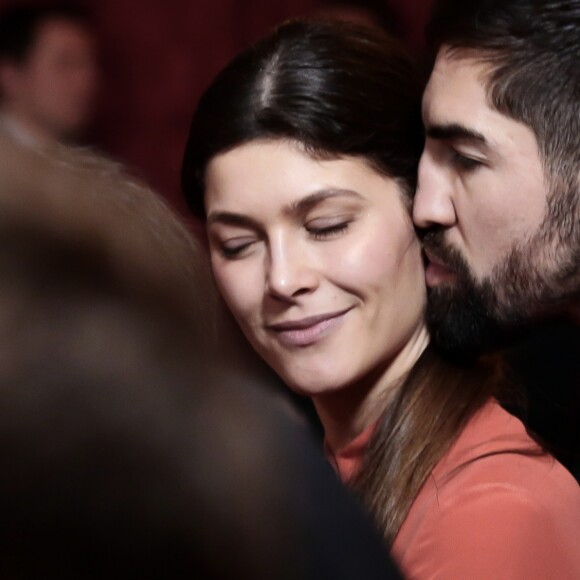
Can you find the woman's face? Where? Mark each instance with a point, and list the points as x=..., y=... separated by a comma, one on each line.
x=317, y=260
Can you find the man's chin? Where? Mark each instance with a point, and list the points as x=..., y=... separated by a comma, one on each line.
x=463, y=325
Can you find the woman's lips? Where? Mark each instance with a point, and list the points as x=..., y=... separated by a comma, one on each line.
x=307, y=331
x=437, y=273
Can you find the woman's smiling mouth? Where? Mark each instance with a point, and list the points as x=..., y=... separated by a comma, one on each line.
x=307, y=331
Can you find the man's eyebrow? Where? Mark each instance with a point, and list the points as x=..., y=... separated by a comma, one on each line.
x=301, y=206
x=454, y=131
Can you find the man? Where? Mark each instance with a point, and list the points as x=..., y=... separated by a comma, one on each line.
x=498, y=199
x=498, y=195
x=48, y=73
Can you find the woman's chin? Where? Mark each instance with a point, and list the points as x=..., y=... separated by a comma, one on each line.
x=310, y=384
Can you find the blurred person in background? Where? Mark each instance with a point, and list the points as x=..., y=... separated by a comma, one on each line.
x=133, y=444
x=48, y=73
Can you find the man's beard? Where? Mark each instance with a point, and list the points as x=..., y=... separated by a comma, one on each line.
x=462, y=316
x=536, y=279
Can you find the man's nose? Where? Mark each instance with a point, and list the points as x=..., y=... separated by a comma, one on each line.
x=433, y=204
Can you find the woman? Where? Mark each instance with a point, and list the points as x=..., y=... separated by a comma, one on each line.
x=302, y=160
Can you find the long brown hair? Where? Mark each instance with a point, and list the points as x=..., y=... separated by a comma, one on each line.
x=428, y=412
x=345, y=91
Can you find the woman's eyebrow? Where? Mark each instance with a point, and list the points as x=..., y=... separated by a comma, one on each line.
x=231, y=218
x=306, y=203
x=300, y=206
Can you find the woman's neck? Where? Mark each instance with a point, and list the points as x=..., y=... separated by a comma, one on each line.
x=349, y=411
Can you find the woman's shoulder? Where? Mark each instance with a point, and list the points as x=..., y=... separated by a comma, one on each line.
x=494, y=449
x=495, y=502
x=494, y=460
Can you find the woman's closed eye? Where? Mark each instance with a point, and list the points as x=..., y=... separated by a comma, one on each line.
x=235, y=247
x=327, y=228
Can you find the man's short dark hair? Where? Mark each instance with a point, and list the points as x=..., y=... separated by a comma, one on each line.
x=19, y=25
x=533, y=49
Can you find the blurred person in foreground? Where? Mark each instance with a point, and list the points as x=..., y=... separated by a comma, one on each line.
x=133, y=442
x=48, y=72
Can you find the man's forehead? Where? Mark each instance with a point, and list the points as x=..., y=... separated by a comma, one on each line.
x=457, y=107
x=457, y=89
x=465, y=61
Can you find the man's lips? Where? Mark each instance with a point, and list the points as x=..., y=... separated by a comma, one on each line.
x=436, y=272
x=309, y=330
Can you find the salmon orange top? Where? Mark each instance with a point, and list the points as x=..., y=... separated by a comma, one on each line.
x=494, y=507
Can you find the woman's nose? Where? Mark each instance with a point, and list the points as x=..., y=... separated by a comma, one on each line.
x=290, y=270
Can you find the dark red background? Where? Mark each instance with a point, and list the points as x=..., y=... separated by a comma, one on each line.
x=159, y=55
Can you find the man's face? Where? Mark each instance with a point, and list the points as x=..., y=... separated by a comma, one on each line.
x=496, y=255
x=54, y=88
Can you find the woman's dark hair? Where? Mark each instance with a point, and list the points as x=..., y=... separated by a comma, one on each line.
x=337, y=89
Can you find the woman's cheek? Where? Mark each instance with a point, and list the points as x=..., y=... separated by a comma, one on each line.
x=236, y=288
